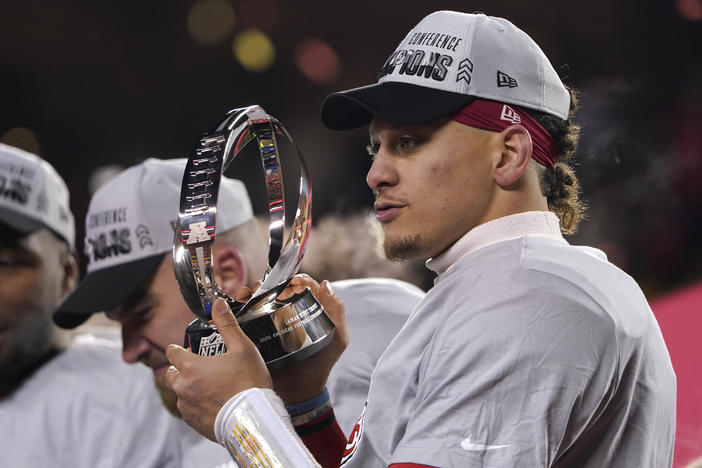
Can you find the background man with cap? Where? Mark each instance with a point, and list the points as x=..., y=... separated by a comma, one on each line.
x=527, y=351
x=66, y=406
x=129, y=239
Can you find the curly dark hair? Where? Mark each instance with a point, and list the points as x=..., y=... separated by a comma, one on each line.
x=560, y=185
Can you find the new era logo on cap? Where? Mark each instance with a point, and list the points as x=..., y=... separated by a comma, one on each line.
x=504, y=80
x=509, y=115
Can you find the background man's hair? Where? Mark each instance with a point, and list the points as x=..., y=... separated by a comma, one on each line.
x=560, y=185
x=350, y=245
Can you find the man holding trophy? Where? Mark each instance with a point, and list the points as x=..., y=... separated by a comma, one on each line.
x=527, y=352
x=130, y=227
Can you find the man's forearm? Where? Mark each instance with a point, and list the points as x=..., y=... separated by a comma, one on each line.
x=256, y=430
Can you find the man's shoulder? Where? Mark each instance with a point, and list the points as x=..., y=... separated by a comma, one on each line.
x=533, y=280
x=370, y=295
x=584, y=275
x=535, y=266
x=377, y=285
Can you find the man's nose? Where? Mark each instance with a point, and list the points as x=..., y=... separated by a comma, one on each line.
x=382, y=172
x=134, y=346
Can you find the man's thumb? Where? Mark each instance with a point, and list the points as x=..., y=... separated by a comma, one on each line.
x=226, y=323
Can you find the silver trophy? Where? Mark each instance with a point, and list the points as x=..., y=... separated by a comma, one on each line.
x=284, y=331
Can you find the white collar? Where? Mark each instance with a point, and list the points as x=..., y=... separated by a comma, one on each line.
x=531, y=223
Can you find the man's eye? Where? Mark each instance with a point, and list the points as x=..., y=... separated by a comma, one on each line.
x=143, y=314
x=407, y=141
x=8, y=260
x=372, y=150
x=138, y=314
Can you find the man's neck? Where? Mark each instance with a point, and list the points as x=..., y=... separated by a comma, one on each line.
x=533, y=223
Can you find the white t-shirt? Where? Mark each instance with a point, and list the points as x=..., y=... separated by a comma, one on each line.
x=200, y=452
x=87, y=408
x=527, y=352
x=376, y=309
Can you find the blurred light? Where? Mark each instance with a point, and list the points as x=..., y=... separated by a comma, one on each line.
x=210, y=22
x=317, y=60
x=690, y=9
x=21, y=137
x=101, y=175
x=261, y=14
x=254, y=50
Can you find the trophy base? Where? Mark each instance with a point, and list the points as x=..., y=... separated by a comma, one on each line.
x=287, y=331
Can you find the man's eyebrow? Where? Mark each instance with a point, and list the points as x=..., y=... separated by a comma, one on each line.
x=399, y=127
x=137, y=298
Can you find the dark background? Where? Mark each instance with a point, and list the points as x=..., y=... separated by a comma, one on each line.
x=92, y=84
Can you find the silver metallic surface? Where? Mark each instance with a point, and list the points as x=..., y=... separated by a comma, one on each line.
x=196, y=232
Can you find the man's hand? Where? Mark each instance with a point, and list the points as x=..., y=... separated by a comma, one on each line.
x=306, y=379
x=204, y=383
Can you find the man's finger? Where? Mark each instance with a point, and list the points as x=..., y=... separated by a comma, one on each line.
x=298, y=284
x=226, y=323
x=178, y=355
x=331, y=302
x=305, y=280
x=171, y=375
x=335, y=310
x=243, y=294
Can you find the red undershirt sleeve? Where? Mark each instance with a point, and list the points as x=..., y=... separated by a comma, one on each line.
x=324, y=439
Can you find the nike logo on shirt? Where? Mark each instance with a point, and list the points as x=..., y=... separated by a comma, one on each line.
x=471, y=446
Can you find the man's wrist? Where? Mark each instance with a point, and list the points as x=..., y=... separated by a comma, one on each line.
x=299, y=395
x=308, y=405
x=309, y=410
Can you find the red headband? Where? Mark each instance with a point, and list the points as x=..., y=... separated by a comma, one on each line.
x=496, y=116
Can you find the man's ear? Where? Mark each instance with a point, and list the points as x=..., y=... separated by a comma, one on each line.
x=69, y=266
x=516, y=154
x=229, y=269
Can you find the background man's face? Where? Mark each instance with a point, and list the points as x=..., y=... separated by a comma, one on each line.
x=151, y=319
x=32, y=283
x=432, y=181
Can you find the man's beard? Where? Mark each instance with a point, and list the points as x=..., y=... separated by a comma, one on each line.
x=31, y=346
x=409, y=246
x=168, y=397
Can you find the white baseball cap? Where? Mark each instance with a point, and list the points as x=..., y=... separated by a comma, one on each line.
x=129, y=227
x=443, y=64
x=33, y=195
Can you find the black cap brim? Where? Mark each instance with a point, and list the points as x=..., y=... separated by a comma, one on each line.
x=402, y=103
x=104, y=289
x=19, y=222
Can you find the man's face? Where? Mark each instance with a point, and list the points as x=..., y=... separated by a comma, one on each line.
x=32, y=284
x=151, y=319
x=433, y=183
